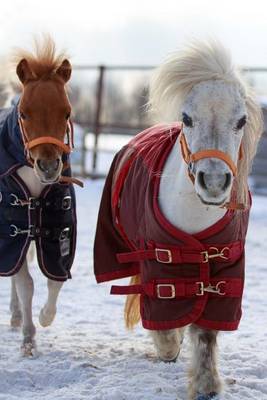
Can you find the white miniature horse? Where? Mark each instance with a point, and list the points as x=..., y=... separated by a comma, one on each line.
x=43, y=109
x=199, y=86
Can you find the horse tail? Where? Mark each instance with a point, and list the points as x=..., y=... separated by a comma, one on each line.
x=132, y=306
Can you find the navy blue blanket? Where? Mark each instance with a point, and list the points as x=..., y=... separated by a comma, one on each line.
x=49, y=220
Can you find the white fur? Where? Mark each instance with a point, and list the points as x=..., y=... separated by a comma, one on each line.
x=181, y=206
x=22, y=285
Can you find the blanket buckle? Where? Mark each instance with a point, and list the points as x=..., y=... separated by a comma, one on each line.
x=221, y=254
x=18, y=231
x=167, y=252
x=166, y=286
x=216, y=289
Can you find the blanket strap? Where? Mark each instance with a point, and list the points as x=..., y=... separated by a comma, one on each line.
x=172, y=289
x=168, y=255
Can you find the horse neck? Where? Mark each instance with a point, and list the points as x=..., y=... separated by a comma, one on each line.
x=31, y=181
x=178, y=199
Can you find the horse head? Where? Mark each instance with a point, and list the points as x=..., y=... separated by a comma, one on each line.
x=214, y=115
x=221, y=121
x=44, y=109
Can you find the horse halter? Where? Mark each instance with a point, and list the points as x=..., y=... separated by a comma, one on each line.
x=66, y=147
x=190, y=158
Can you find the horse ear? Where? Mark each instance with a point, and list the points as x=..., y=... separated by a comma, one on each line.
x=64, y=71
x=23, y=71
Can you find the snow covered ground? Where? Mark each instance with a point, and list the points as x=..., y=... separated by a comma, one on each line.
x=87, y=353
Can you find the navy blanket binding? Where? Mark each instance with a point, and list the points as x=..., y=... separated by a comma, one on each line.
x=49, y=220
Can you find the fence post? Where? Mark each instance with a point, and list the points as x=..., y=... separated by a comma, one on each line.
x=97, y=122
x=83, y=155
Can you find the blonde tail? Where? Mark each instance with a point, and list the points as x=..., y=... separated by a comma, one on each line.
x=132, y=306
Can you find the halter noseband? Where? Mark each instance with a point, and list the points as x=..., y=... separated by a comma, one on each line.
x=209, y=153
x=66, y=147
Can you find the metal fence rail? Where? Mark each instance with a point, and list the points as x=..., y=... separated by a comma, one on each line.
x=97, y=126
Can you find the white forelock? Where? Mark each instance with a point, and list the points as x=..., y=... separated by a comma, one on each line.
x=197, y=62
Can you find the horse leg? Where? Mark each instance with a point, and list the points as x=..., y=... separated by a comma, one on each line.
x=205, y=382
x=16, y=315
x=24, y=289
x=48, y=312
x=168, y=343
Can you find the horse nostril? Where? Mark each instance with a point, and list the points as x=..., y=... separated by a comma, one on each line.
x=56, y=164
x=41, y=165
x=214, y=182
x=201, y=179
x=48, y=166
x=228, y=179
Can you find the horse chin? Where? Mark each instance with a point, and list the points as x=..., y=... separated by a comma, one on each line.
x=212, y=202
x=47, y=180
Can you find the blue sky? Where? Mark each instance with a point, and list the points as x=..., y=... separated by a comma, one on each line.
x=137, y=32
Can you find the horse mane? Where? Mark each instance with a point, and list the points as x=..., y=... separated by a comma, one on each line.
x=44, y=60
x=203, y=61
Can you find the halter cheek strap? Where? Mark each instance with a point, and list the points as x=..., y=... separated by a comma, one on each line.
x=210, y=153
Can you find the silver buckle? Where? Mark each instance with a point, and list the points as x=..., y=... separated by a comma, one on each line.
x=16, y=201
x=66, y=203
x=169, y=285
x=19, y=231
x=33, y=202
x=64, y=233
x=221, y=254
x=166, y=251
x=210, y=288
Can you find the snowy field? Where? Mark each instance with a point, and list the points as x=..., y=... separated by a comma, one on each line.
x=87, y=353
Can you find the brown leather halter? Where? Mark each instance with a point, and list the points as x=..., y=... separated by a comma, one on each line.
x=66, y=147
x=210, y=153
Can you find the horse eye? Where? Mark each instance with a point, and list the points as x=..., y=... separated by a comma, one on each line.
x=187, y=120
x=241, y=123
x=22, y=115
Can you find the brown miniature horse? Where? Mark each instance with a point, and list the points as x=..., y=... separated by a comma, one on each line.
x=44, y=111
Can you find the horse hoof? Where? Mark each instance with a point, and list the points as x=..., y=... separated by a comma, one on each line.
x=28, y=350
x=171, y=360
x=46, y=318
x=210, y=396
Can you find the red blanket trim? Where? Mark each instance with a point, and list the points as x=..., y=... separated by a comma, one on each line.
x=212, y=325
x=218, y=325
x=188, y=319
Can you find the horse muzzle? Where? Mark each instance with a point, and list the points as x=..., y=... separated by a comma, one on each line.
x=48, y=171
x=211, y=171
x=213, y=188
